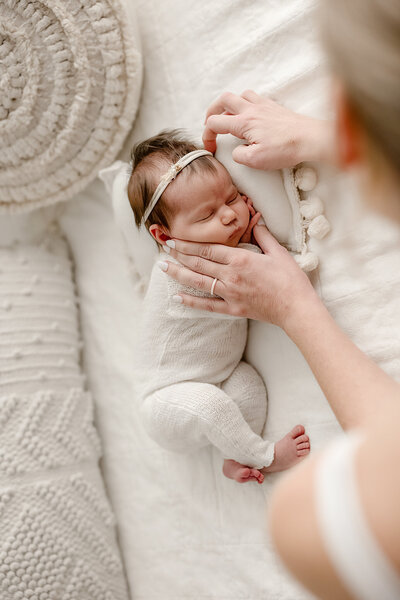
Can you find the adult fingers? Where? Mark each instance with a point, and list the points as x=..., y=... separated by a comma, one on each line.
x=200, y=265
x=244, y=153
x=219, y=124
x=214, y=252
x=210, y=304
x=251, y=96
x=226, y=102
x=265, y=240
x=191, y=279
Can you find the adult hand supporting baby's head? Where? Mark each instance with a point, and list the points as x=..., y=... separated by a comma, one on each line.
x=266, y=287
x=275, y=136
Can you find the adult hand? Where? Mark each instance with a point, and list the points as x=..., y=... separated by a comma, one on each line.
x=267, y=287
x=275, y=136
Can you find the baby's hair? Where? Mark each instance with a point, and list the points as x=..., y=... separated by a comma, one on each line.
x=150, y=159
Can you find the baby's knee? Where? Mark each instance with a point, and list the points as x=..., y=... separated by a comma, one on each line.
x=245, y=381
x=170, y=426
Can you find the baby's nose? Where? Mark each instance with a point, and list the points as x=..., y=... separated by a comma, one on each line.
x=228, y=216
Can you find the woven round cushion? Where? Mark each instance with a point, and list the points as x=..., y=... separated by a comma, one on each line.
x=70, y=79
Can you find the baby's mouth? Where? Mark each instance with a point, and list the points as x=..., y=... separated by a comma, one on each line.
x=239, y=229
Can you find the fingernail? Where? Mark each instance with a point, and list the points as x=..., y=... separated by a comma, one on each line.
x=170, y=243
x=177, y=299
x=163, y=265
x=166, y=249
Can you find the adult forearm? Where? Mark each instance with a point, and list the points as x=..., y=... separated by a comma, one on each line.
x=356, y=388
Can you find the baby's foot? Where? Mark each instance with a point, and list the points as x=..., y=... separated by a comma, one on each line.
x=241, y=473
x=290, y=450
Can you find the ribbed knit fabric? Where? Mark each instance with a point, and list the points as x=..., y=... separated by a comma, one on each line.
x=70, y=81
x=57, y=530
x=193, y=388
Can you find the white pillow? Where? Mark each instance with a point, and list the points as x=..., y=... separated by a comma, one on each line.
x=53, y=505
x=280, y=196
x=141, y=246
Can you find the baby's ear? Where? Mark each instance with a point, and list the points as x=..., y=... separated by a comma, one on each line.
x=158, y=233
x=155, y=231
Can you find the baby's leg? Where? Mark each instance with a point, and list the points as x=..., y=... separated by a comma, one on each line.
x=189, y=415
x=247, y=390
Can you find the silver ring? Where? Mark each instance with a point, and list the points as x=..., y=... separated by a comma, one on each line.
x=213, y=286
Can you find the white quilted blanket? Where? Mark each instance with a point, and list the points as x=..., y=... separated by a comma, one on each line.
x=187, y=532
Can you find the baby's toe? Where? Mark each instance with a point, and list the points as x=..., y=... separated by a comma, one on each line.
x=245, y=473
x=303, y=445
x=302, y=438
x=303, y=452
x=296, y=431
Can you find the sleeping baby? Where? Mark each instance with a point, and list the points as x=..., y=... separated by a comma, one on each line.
x=194, y=387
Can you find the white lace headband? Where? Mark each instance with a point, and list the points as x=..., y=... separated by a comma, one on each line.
x=170, y=175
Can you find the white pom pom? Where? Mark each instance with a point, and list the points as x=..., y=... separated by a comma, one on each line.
x=305, y=179
x=311, y=208
x=307, y=262
x=318, y=227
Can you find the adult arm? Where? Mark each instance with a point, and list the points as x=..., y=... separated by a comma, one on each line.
x=292, y=511
x=275, y=136
x=271, y=287
x=355, y=387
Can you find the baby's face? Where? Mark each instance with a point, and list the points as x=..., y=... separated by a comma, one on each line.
x=208, y=208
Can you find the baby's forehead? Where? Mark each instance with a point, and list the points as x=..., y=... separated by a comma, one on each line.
x=202, y=181
x=192, y=189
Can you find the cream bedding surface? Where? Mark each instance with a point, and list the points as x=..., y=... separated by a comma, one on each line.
x=184, y=529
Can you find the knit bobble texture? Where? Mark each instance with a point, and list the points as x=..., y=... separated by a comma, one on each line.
x=70, y=81
x=57, y=536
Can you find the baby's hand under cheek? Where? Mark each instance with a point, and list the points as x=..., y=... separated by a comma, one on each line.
x=247, y=236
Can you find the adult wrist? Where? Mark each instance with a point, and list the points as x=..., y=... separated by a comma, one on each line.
x=302, y=315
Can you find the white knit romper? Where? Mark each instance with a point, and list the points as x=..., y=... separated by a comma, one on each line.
x=194, y=388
